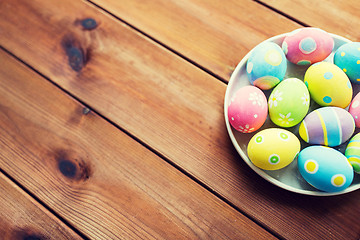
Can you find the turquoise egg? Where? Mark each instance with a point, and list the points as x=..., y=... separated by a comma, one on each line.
x=347, y=58
x=266, y=66
x=325, y=168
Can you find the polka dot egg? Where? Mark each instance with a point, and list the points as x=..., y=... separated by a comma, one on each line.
x=347, y=58
x=329, y=126
x=325, y=168
x=247, y=110
x=354, y=109
x=328, y=85
x=273, y=148
x=266, y=65
x=306, y=46
x=352, y=152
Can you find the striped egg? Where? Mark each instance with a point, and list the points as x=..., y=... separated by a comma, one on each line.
x=329, y=126
x=352, y=152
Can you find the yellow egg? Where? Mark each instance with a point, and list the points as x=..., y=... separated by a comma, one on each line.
x=328, y=85
x=273, y=148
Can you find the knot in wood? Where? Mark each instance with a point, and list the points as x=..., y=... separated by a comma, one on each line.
x=32, y=237
x=89, y=23
x=72, y=166
x=67, y=168
x=26, y=234
x=77, y=54
x=76, y=58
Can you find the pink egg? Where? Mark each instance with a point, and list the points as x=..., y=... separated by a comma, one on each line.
x=247, y=110
x=354, y=109
x=306, y=46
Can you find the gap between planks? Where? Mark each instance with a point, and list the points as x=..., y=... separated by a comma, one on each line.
x=31, y=195
x=161, y=156
x=179, y=168
x=282, y=13
x=173, y=164
x=158, y=42
x=172, y=50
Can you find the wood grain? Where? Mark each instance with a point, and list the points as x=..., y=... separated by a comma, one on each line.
x=165, y=102
x=96, y=177
x=339, y=17
x=23, y=218
x=214, y=34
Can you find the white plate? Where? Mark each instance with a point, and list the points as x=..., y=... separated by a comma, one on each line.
x=288, y=178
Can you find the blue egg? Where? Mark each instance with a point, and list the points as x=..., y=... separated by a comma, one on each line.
x=325, y=168
x=266, y=66
x=347, y=57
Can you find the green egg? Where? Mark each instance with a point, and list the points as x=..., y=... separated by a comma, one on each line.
x=352, y=152
x=289, y=102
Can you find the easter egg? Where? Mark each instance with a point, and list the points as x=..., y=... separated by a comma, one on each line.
x=328, y=85
x=289, y=102
x=325, y=168
x=352, y=152
x=329, y=126
x=247, y=110
x=354, y=109
x=306, y=46
x=266, y=65
x=273, y=148
x=347, y=58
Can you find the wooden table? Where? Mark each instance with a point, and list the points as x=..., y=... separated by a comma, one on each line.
x=112, y=124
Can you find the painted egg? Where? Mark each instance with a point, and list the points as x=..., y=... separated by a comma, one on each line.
x=354, y=109
x=266, y=66
x=289, y=102
x=247, y=110
x=329, y=126
x=352, y=152
x=347, y=58
x=306, y=46
x=328, y=85
x=325, y=168
x=273, y=148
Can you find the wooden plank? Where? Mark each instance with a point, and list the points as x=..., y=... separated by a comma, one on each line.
x=339, y=17
x=212, y=33
x=169, y=104
x=96, y=177
x=21, y=217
